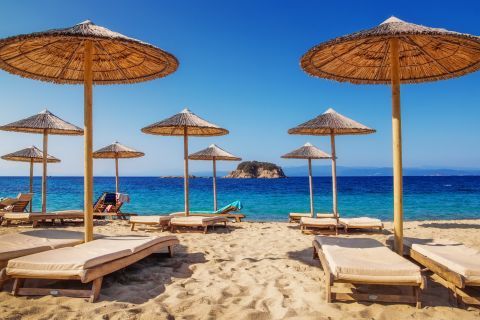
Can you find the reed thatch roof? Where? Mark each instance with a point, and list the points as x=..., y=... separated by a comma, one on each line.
x=213, y=152
x=44, y=121
x=58, y=56
x=307, y=151
x=28, y=154
x=331, y=122
x=117, y=150
x=176, y=125
x=426, y=54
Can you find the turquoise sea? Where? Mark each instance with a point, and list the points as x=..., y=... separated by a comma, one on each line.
x=263, y=199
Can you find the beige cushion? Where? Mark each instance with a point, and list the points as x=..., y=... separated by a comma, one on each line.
x=318, y=222
x=361, y=222
x=20, y=244
x=196, y=221
x=298, y=215
x=365, y=259
x=149, y=219
x=74, y=261
x=17, y=216
x=455, y=256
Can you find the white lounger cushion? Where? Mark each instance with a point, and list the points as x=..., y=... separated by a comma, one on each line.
x=20, y=244
x=74, y=261
x=307, y=215
x=196, y=220
x=361, y=222
x=453, y=255
x=364, y=259
x=149, y=219
x=319, y=222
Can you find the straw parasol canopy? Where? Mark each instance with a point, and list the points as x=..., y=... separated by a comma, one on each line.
x=85, y=54
x=331, y=123
x=31, y=155
x=117, y=151
x=425, y=54
x=214, y=153
x=45, y=123
x=309, y=152
x=58, y=56
x=392, y=53
x=185, y=124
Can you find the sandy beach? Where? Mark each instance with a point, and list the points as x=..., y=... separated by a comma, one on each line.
x=260, y=270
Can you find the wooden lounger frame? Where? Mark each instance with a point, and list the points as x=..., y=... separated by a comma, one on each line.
x=94, y=275
x=237, y=216
x=163, y=224
x=174, y=227
x=454, y=281
x=304, y=227
x=333, y=293
x=318, y=215
x=36, y=219
x=346, y=227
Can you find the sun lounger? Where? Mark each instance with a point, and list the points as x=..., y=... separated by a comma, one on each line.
x=296, y=216
x=196, y=222
x=87, y=263
x=454, y=262
x=16, y=245
x=159, y=221
x=360, y=223
x=18, y=204
x=35, y=217
x=226, y=211
x=365, y=261
x=318, y=223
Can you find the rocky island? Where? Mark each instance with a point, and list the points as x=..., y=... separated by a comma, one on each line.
x=256, y=169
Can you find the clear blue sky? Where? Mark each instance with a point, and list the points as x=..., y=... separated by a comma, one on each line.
x=239, y=68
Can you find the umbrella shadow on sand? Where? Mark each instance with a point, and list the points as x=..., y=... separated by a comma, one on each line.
x=449, y=225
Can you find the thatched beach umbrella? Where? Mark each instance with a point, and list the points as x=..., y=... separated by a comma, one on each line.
x=45, y=123
x=185, y=124
x=330, y=123
x=31, y=155
x=214, y=153
x=392, y=53
x=309, y=152
x=85, y=54
x=117, y=151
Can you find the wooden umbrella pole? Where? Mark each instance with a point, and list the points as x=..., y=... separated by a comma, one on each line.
x=31, y=182
x=116, y=176
x=334, y=175
x=397, y=147
x=185, y=173
x=214, y=184
x=44, y=175
x=88, y=140
x=310, y=183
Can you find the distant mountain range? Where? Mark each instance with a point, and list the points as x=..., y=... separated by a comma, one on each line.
x=325, y=171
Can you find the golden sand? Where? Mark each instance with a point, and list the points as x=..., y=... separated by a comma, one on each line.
x=257, y=271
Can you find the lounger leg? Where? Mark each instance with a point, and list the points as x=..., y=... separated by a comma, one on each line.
x=417, y=292
x=205, y=229
x=328, y=287
x=1, y=284
x=170, y=251
x=133, y=226
x=17, y=285
x=96, y=287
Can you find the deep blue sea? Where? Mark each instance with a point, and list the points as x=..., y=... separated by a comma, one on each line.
x=264, y=199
